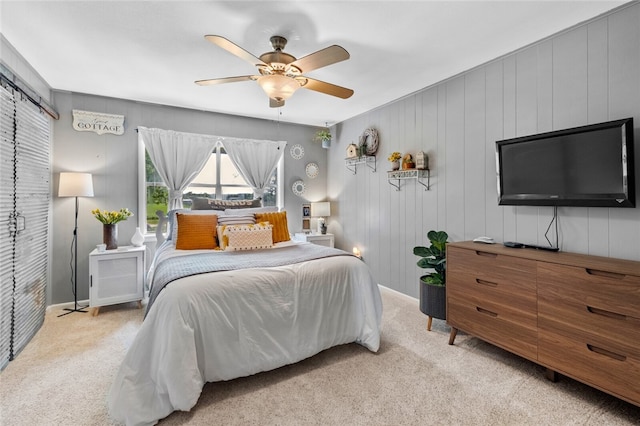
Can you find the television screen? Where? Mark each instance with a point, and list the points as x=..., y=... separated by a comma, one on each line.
x=590, y=166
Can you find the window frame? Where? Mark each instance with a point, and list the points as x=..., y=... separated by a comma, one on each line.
x=142, y=189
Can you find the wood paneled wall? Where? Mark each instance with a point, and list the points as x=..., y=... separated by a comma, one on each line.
x=586, y=74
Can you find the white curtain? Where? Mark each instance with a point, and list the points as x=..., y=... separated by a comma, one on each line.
x=255, y=160
x=178, y=157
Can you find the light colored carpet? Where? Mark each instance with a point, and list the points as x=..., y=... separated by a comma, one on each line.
x=64, y=374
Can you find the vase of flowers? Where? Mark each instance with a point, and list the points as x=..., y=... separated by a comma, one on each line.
x=394, y=159
x=109, y=220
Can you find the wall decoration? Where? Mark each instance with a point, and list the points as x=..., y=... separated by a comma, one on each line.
x=306, y=217
x=298, y=188
x=422, y=161
x=86, y=121
x=352, y=151
x=297, y=151
x=312, y=170
x=369, y=142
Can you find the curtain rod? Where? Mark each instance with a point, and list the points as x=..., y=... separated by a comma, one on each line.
x=8, y=77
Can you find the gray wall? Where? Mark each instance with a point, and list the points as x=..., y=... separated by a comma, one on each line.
x=587, y=74
x=113, y=162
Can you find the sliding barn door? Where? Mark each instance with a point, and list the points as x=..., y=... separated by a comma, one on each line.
x=7, y=161
x=24, y=210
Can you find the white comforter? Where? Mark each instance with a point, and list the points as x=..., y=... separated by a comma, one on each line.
x=224, y=325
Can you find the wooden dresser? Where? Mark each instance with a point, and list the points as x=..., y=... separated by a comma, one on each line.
x=575, y=314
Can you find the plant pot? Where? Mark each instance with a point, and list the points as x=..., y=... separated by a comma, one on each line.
x=433, y=300
x=395, y=165
x=326, y=143
x=407, y=166
x=110, y=236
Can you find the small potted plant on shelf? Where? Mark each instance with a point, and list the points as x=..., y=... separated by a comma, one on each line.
x=432, y=285
x=394, y=159
x=324, y=136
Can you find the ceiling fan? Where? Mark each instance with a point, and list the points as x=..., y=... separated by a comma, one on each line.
x=281, y=73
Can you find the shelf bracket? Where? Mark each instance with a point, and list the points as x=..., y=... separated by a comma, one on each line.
x=397, y=187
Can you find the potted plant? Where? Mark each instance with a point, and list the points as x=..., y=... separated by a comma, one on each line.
x=432, y=285
x=324, y=135
x=394, y=159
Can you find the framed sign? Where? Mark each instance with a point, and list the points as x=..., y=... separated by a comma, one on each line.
x=306, y=217
x=86, y=121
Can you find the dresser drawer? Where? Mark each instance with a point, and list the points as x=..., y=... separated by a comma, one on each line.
x=516, y=333
x=603, y=290
x=511, y=275
x=615, y=372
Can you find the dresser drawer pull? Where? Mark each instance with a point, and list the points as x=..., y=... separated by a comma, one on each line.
x=605, y=313
x=485, y=254
x=605, y=274
x=605, y=352
x=487, y=283
x=486, y=312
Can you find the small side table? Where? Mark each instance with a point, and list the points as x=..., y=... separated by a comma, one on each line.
x=326, y=240
x=116, y=276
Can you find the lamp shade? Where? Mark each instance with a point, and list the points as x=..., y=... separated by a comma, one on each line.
x=75, y=185
x=322, y=209
x=278, y=87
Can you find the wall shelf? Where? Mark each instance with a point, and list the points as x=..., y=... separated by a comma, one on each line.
x=418, y=174
x=368, y=160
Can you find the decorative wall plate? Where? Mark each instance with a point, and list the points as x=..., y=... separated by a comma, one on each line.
x=297, y=151
x=312, y=170
x=298, y=188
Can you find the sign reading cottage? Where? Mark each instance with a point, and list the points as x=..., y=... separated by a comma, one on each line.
x=85, y=121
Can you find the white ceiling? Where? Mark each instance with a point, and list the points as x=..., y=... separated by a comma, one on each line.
x=153, y=51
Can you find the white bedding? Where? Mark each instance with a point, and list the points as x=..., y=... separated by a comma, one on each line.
x=224, y=325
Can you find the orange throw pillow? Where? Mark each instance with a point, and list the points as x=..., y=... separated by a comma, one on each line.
x=279, y=222
x=196, y=232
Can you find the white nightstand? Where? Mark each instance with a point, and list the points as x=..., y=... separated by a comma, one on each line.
x=315, y=238
x=116, y=276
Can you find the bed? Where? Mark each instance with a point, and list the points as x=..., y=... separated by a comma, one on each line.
x=224, y=314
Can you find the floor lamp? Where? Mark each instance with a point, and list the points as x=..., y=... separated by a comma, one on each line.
x=75, y=185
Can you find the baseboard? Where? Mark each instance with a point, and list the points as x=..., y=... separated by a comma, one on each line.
x=399, y=293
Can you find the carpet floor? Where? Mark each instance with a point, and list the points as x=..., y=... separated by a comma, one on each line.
x=63, y=376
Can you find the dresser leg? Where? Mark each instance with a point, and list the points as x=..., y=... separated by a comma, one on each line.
x=429, y=319
x=551, y=375
x=95, y=311
x=452, y=335
x=139, y=304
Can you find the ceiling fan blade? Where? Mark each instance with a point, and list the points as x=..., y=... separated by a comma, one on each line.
x=214, y=81
x=231, y=47
x=321, y=58
x=275, y=104
x=327, y=88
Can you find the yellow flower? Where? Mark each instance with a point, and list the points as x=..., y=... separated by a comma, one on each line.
x=395, y=156
x=111, y=217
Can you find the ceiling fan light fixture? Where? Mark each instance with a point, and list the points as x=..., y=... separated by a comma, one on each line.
x=278, y=87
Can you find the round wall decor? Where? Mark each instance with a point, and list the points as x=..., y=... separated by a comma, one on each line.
x=312, y=170
x=298, y=187
x=297, y=151
x=369, y=139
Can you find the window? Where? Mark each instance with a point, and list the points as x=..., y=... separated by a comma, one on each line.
x=218, y=179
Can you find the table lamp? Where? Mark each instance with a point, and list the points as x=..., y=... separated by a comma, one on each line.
x=321, y=210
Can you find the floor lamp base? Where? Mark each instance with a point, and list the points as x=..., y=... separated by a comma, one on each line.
x=72, y=310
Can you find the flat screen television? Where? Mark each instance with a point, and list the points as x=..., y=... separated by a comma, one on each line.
x=589, y=166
